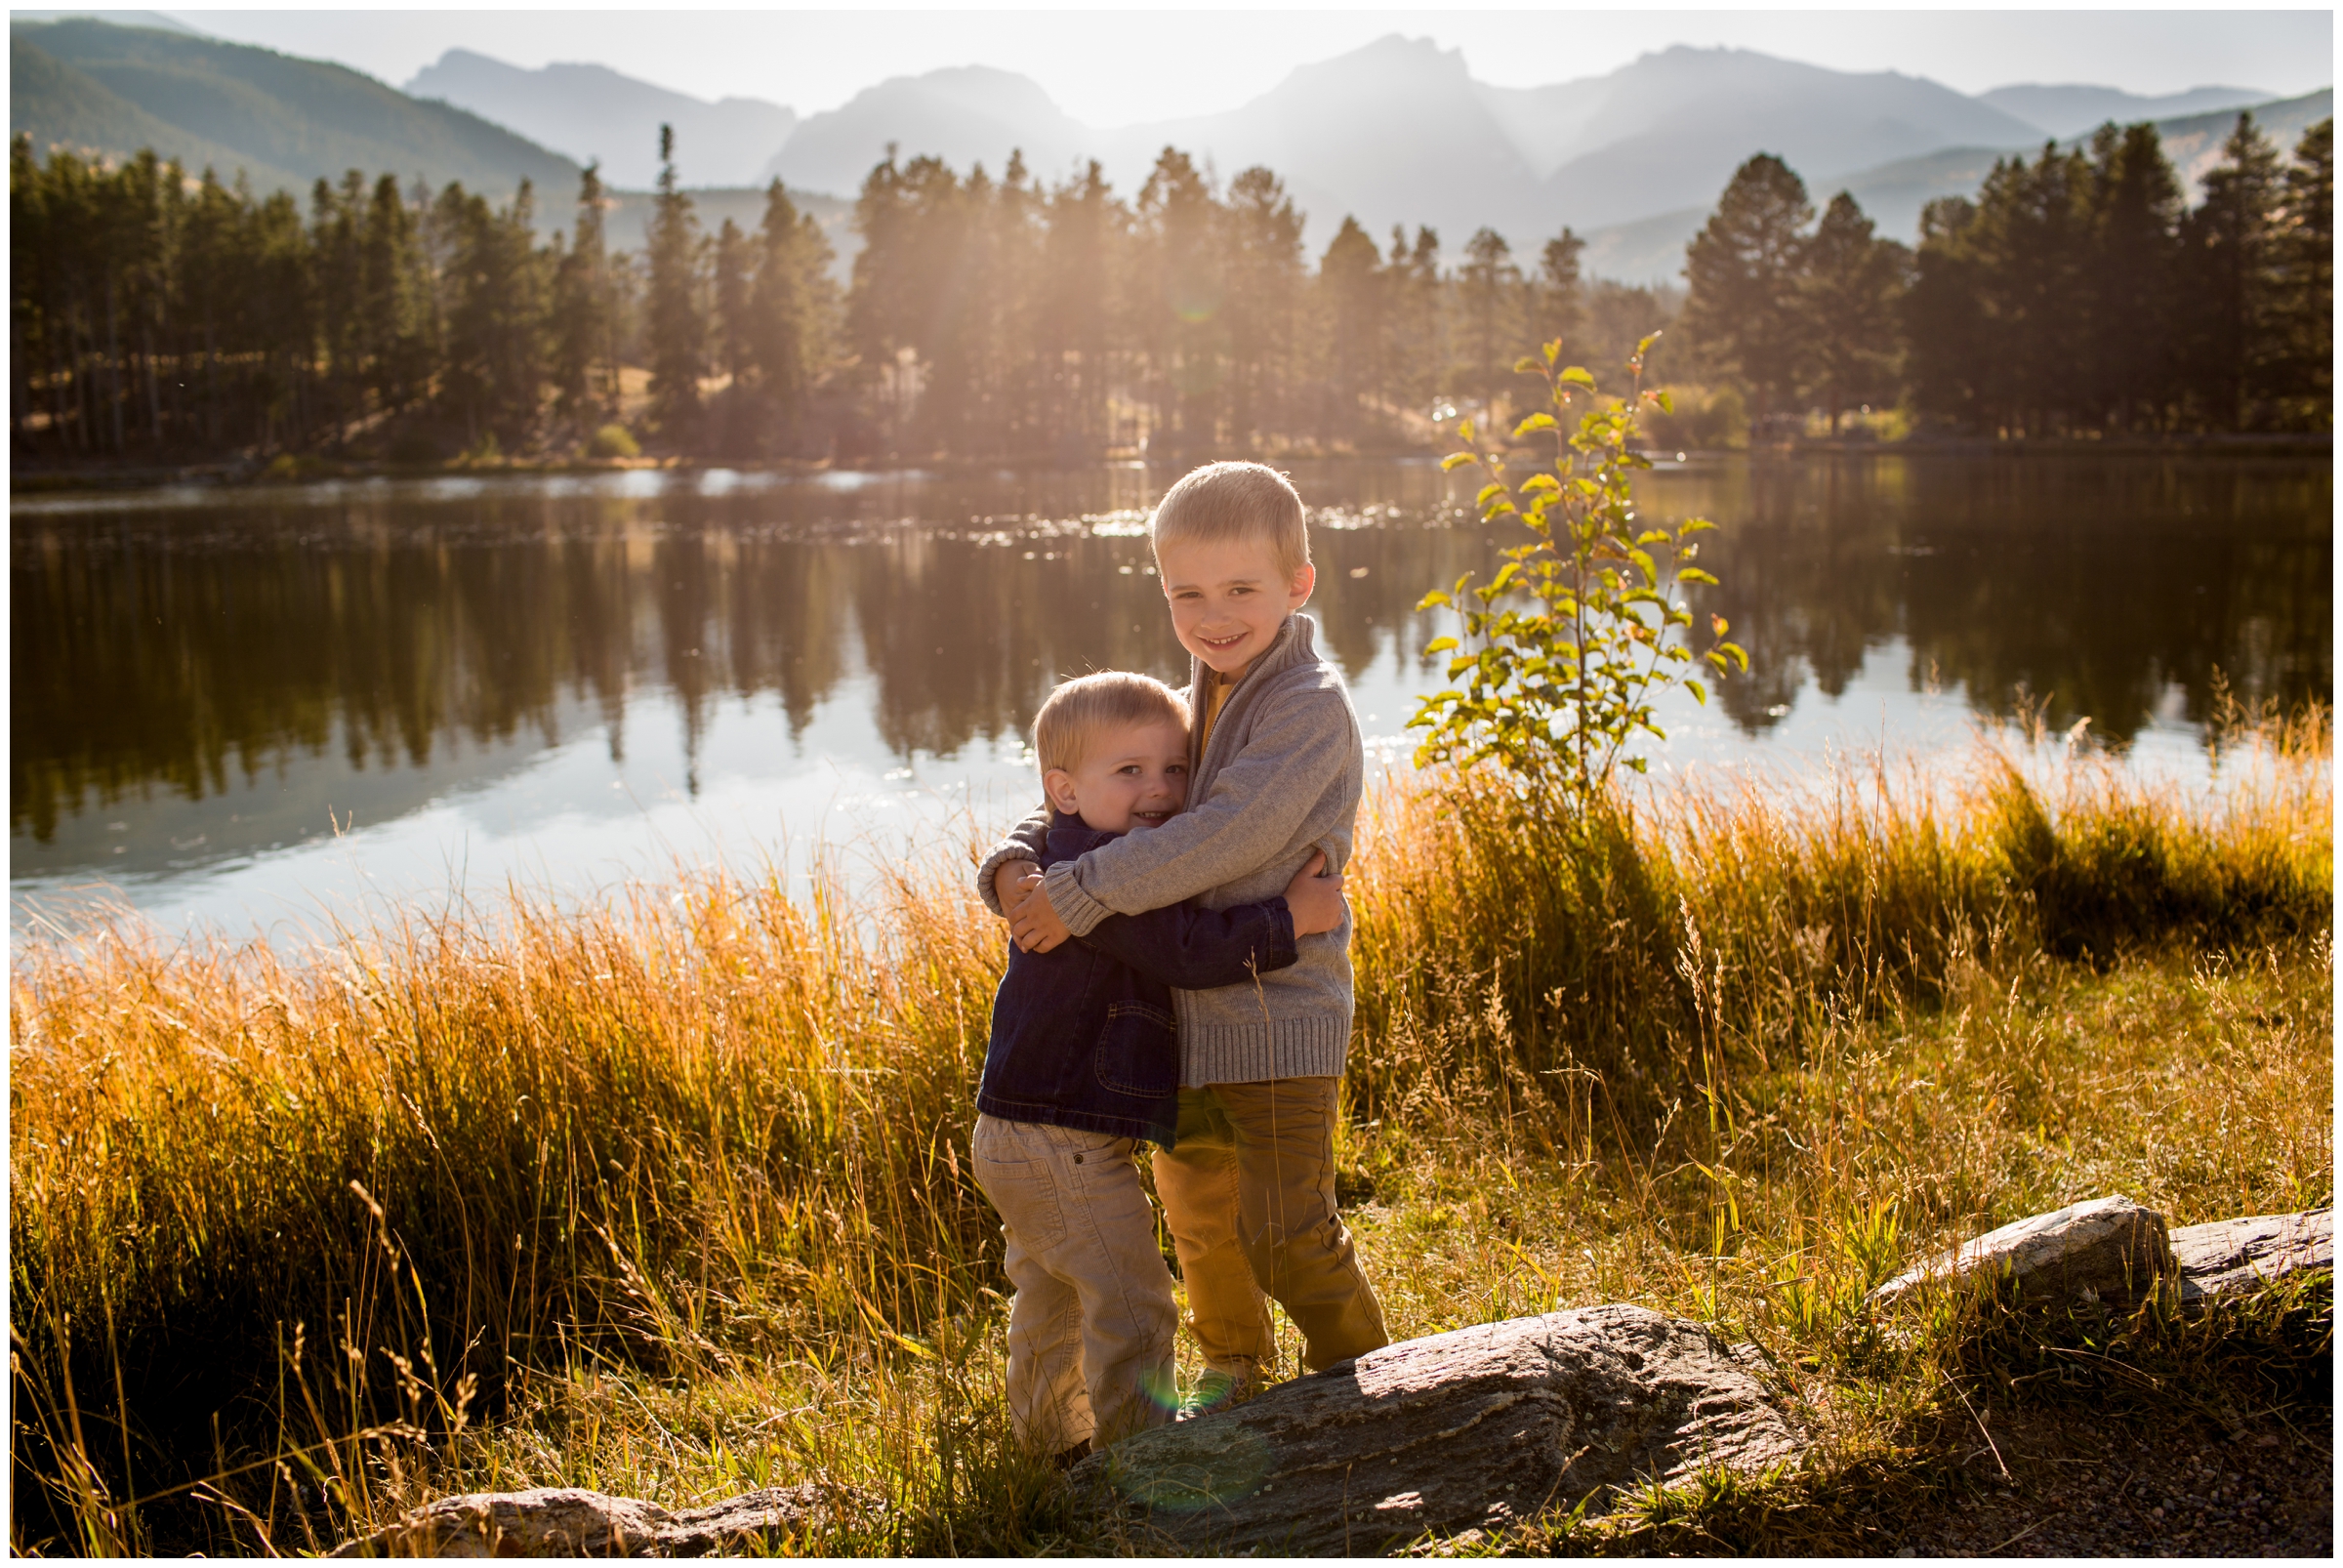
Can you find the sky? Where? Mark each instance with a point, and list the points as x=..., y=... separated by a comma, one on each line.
x=1108, y=67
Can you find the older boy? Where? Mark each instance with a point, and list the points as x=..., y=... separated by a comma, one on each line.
x=1248, y=1188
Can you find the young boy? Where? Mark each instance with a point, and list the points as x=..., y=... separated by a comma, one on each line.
x=1083, y=1061
x=1247, y=1186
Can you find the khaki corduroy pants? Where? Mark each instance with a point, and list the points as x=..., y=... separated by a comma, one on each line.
x=1092, y=1326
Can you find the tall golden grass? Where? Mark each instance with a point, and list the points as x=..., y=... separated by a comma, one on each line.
x=295, y=1242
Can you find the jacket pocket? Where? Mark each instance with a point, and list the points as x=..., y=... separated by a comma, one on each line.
x=1138, y=1051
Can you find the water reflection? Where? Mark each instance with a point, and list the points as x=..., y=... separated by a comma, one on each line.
x=386, y=643
x=2104, y=587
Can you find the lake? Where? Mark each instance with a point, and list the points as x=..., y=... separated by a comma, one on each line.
x=270, y=708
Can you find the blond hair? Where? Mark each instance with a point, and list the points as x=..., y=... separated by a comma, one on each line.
x=1245, y=502
x=1078, y=712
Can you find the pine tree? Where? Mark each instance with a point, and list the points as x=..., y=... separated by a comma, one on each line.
x=1745, y=267
x=1944, y=320
x=790, y=304
x=494, y=300
x=2128, y=349
x=584, y=366
x=1487, y=282
x=272, y=282
x=678, y=331
x=1558, y=289
x=2303, y=258
x=1351, y=288
x=1077, y=310
x=1418, y=359
x=1018, y=234
x=1853, y=283
x=906, y=309
x=1265, y=271
x=2230, y=249
x=210, y=250
x=731, y=335
x=337, y=271
x=1180, y=290
x=392, y=294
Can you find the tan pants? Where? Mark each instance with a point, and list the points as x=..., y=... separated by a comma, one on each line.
x=1092, y=1324
x=1250, y=1196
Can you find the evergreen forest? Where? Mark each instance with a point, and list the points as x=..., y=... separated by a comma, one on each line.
x=160, y=318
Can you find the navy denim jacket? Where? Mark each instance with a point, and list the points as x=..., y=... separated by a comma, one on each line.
x=1082, y=1034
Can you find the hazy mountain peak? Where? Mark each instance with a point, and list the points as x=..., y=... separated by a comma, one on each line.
x=978, y=87
x=1395, y=53
x=592, y=111
x=962, y=113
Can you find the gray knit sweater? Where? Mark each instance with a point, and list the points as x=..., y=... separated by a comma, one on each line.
x=1280, y=778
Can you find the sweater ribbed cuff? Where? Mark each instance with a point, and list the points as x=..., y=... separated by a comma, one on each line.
x=1256, y=1053
x=1079, y=910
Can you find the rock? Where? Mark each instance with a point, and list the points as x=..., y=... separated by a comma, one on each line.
x=2232, y=1255
x=568, y=1522
x=1474, y=1429
x=2108, y=1247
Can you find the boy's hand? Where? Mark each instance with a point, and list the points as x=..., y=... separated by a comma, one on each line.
x=1012, y=879
x=1017, y=884
x=1314, y=900
x=1034, y=922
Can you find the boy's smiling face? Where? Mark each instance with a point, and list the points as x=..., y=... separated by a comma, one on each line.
x=1131, y=776
x=1228, y=598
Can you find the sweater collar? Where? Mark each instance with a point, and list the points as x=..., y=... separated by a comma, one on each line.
x=1296, y=643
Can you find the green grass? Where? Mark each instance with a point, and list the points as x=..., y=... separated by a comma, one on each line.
x=670, y=1197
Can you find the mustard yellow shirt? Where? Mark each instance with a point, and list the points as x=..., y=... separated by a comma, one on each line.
x=1217, y=688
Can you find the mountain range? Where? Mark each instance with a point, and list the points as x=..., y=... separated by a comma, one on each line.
x=1399, y=132
x=1395, y=133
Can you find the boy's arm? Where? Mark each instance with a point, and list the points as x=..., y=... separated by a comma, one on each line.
x=1302, y=744
x=1025, y=841
x=1200, y=949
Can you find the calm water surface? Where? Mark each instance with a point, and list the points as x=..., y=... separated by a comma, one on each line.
x=261, y=709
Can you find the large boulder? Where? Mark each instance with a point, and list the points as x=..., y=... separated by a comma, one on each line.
x=2108, y=1248
x=2232, y=1256
x=1474, y=1429
x=569, y=1522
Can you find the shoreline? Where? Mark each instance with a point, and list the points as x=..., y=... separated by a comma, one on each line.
x=247, y=476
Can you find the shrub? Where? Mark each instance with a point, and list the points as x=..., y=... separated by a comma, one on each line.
x=1699, y=419
x=613, y=440
x=1554, y=690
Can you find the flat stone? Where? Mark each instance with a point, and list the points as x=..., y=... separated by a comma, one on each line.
x=2229, y=1257
x=571, y=1523
x=1475, y=1429
x=2105, y=1248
